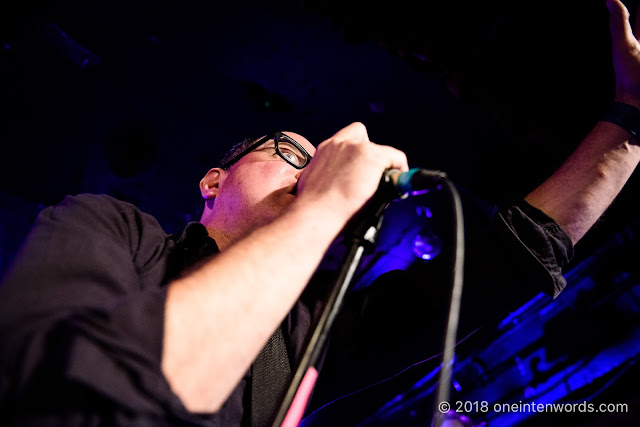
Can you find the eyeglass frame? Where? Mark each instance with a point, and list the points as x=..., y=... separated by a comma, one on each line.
x=275, y=135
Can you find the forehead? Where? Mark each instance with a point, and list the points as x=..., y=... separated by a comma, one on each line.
x=302, y=141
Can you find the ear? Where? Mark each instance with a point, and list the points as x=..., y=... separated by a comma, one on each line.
x=210, y=184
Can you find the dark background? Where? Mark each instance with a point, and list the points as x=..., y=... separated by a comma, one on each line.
x=139, y=99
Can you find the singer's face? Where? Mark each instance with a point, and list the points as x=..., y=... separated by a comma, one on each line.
x=258, y=188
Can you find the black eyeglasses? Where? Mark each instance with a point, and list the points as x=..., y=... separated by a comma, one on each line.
x=286, y=147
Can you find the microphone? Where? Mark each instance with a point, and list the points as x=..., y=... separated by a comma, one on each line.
x=412, y=181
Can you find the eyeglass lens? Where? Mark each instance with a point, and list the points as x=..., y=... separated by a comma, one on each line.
x=289, y=151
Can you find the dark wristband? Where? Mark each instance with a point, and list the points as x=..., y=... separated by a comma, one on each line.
x=625, y=116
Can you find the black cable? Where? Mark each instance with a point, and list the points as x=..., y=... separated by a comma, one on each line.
x=448, y=353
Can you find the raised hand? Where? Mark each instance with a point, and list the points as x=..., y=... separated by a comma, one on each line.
x=625, y=52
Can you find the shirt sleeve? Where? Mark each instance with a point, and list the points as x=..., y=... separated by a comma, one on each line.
x=537, y=244
x=81, y=316
x=400, y=318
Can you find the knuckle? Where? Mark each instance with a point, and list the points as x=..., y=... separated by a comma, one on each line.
x=358, y=128
x=323, y=144
x=354, y=133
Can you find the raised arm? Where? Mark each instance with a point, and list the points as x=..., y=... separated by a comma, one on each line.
x=578, y=193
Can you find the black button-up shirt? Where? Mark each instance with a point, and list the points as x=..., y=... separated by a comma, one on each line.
x=82, y=314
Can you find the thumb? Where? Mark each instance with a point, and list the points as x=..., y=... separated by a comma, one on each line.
x=619, y=25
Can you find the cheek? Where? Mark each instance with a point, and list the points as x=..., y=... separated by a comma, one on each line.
x=264, y=176
x=253, y=182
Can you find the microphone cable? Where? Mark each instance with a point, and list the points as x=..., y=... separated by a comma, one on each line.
x=415, y=181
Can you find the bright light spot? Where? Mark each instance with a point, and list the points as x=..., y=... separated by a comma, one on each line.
x=427, y=245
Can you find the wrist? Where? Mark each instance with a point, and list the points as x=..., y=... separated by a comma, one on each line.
x=628, y=99
x=625, y=116
x=320, y=216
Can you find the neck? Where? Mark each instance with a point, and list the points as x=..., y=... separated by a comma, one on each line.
x=223, y=240
x=225, y=233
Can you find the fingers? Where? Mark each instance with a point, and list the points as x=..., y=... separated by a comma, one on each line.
x=397, y=159
x=636, y=24
x=346, y=170
x=621, y=32
x=357, y=133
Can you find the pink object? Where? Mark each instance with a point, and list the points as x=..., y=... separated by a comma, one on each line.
x=299, y=404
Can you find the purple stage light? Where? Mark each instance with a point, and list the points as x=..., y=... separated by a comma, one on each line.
x=427, y=245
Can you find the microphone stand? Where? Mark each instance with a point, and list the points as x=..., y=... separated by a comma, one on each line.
x=361, y=233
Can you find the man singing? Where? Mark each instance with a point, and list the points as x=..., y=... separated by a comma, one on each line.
x=104, y=319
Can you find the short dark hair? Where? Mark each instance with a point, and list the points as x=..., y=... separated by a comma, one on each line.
x=234, y=151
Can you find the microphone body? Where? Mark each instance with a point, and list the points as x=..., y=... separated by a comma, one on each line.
x=414, y=180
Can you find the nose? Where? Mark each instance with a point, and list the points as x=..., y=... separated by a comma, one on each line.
x=299, y=173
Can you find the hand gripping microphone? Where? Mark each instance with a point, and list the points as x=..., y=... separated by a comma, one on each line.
x=393, y=185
